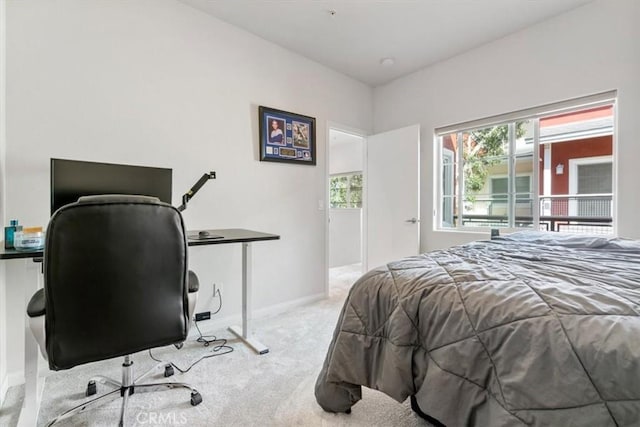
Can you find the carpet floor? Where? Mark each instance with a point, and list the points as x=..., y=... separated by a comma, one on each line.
x=239, y=388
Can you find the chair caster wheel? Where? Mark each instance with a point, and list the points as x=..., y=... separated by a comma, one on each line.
x=196, y=398
x=168, y=371
x=179, y=345
x=91, y=388
x=348, y=411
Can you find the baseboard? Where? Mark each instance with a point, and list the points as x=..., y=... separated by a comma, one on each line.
x=223, y=322
x=17, y=378
x=14, y=379
x=4, y=387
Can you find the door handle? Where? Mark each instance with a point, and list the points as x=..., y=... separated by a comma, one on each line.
x=413, y=220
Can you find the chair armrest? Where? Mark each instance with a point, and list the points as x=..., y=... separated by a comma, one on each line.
x=194, y=283
x=36, y=305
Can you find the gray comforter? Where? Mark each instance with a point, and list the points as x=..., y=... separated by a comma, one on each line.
x=526, y=330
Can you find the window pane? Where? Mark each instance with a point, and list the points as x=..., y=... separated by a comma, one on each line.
x=524, y=201
x=500, y=187
x=449, y=147
x=355, y=191
x=593, y=179
x=488, y=142
x=488, y=189
x=576, y=153
x=524, y=164
x=345, y=191
x=338, y=191
x=484, y=152
x=523, y=184
x=486, y=197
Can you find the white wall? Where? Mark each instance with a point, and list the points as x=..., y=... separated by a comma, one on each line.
x=346, y=152
x=345, y=230
x=585, y=51
x=3, y=134
x=156, y=82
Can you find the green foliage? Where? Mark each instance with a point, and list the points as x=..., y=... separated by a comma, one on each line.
x=338, y=191
x=356, y=191
x=482, y=149
x=346, y=191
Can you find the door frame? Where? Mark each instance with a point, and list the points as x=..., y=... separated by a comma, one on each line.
x=327, y=199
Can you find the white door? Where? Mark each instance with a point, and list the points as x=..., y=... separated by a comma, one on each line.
x=392, y=181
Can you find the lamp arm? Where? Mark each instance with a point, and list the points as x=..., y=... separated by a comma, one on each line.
x=197, y=186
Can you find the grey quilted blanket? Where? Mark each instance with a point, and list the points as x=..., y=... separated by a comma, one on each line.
x=526, y=330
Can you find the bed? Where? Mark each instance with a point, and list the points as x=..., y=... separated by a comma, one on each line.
x=535, y=329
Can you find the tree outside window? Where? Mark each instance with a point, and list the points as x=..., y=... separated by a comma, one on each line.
x=346, y=191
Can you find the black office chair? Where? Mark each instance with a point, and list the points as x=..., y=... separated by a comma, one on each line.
x=115, y=283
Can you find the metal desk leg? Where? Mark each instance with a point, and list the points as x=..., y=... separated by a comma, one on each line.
x=244, y=333
x=33, y=385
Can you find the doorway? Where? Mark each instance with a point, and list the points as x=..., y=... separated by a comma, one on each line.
x=345, y=205
x=373, y=199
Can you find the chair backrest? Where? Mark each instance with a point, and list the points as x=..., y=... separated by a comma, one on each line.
x=115, y=279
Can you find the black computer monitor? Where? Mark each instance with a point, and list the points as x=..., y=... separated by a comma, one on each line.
x=71, y=179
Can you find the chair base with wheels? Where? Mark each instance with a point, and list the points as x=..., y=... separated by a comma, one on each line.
x=128, y=386
x=124, y=389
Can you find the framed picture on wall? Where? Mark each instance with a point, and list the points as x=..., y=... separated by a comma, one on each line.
x=286, y=137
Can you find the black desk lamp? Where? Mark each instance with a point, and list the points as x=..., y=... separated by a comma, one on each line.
x=197, y=186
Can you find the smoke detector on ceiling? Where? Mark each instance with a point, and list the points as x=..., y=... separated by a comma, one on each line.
x=387, y=62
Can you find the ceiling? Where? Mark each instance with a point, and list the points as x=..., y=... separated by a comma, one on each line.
x=354, y=40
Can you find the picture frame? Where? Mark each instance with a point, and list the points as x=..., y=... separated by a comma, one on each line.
x=286, y=137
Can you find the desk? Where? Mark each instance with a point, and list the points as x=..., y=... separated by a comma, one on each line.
x=33, y=386
x=238, y=235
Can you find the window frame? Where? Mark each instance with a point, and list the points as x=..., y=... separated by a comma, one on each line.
x=533, y=114
x=450, y=155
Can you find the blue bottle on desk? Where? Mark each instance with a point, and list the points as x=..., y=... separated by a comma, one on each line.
x=9, y=233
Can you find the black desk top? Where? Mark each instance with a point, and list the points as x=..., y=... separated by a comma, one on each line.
x=229, y=235
x=13, y=254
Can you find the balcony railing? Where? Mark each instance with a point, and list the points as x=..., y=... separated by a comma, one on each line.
x=584, y=213
x=582, y=205
x=573, y=224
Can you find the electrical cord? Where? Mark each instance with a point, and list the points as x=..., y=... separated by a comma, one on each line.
x=220, y=297
x=217, y=349
x=203, y=338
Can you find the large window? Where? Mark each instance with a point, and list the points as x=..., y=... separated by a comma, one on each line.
x=548, y=168
x=346, y=190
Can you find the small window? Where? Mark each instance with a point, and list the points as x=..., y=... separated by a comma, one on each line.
x=500, y=187
x=591, y=183
x=346, y=191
